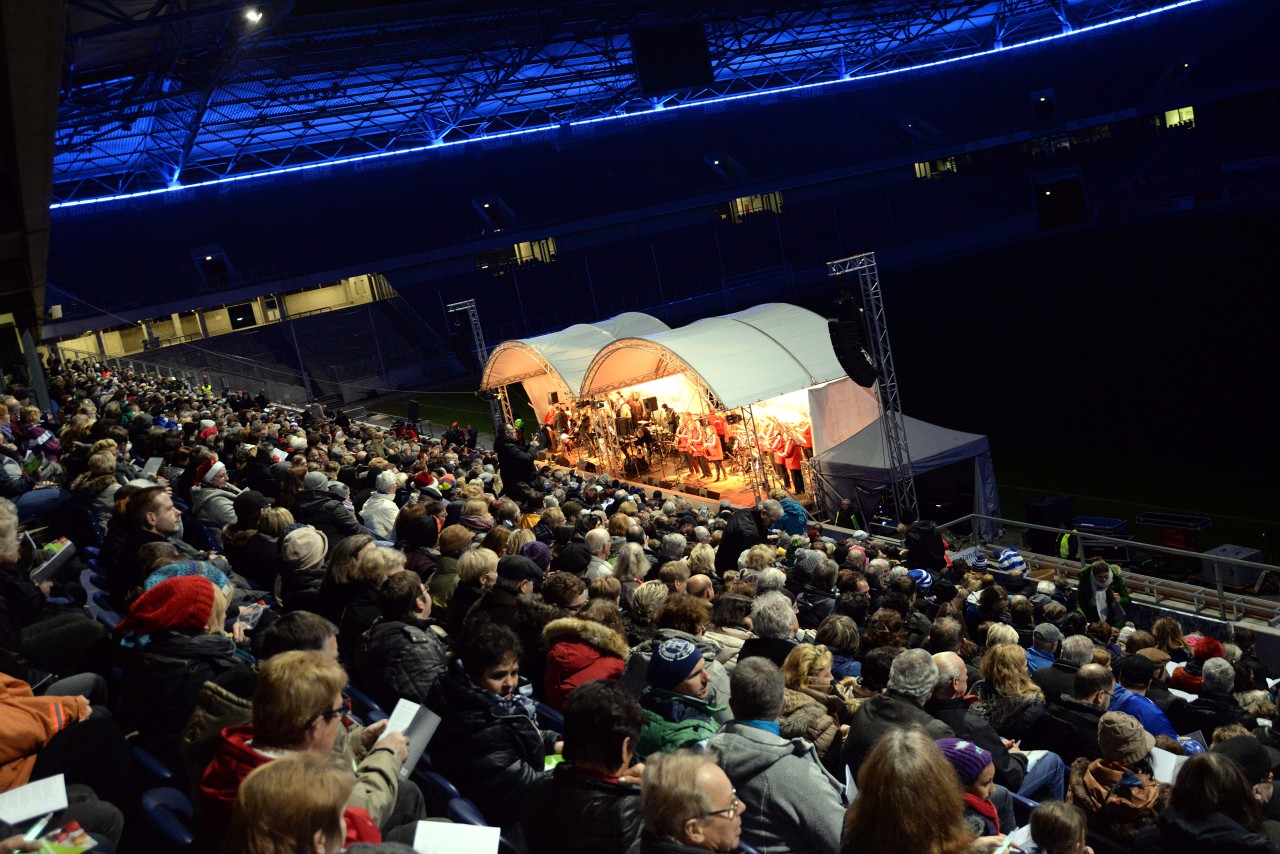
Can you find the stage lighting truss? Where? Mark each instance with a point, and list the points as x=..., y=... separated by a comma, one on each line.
x=902, y=483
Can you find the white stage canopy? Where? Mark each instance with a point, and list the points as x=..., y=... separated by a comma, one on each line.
x=557, y=361
x=742, y=358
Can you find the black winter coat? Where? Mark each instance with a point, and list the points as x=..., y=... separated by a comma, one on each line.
x=604, y=816
x=516, y=462
x=1177, y=833
x=746, y=528
x=1207, y=712
x=1011, y=768
x=815, y=606
x=395, y=659
x=493, y=755
x=358, y=614
x=326, y=512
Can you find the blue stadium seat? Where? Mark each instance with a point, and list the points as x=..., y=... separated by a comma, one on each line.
x=1022, y=808
x=365, y=705
x=147, y=761
x=463, y=811
x=549, y=718
x=171, y=813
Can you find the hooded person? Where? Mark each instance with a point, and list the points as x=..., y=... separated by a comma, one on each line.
x=1117, y=792
x=254, y=553
x=580, y=649
x=302, y=552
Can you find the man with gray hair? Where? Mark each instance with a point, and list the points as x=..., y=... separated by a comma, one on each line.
x=701, y=534
x=673, y=547
x=912, y=677
x=746, y=528
x=773, y=619
x=798, y=806
x=597, y=542
x=1058, y=679
x=1216, y=706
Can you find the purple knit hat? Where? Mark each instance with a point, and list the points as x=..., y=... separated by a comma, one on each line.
x=967, y=758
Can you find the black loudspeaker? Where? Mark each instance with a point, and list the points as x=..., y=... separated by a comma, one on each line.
x=1061, y=203
x=851, y=351
x=650, y=404
x=587, y=466
x=413, y=411
x=562, y=460
x=712, y=493
x=553, y=397
x=671, y=57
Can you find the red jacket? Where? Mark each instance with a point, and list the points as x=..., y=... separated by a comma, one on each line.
x=231, y=764
x=579, y=651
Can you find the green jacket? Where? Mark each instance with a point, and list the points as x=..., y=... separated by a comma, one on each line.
x=1084, y=598
x=673, y=721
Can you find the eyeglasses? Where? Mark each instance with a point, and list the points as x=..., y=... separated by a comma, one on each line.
x=729, y=812
x=341, y=711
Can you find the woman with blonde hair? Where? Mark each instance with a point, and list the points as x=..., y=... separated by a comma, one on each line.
x=809, y=708
x=519, y=538
x=374, y=567
x=645, y=601
x=702, y=559
x=96, y=488
x=907, y=768
x=1010, y=702
x=296, y=805
x=630, y=567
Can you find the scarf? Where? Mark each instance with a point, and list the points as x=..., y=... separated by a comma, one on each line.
x=517, y=704
x=984, y=808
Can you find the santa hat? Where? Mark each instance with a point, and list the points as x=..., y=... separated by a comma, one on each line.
x=209, y=469
x=184, y=603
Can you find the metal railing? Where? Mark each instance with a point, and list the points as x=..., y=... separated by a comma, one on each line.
x=1229, y=605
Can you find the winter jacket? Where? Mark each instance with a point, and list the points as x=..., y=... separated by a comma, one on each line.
x=635, y=676
x=1011, y=768
x=358, y=615
x=442, y=584
x=217, y=707
x=465, y=595
x=1056, y=681
x=379, y=514
x=796, y=806
x=1069, y=728
x=163, y=676
x=214, y=508
x=806, y=716
x=673, y=721
x=604, y=815
x=1209, y=711
x=98, y=493
x=730, y=640
x=774, y=649
x=815, y=606
x=1118, y=802
x=1189, y=678
x=1012, y=717
x=1150, y=715
x=254, y=555
x=394, y=659
x=794, y=520
x=1086, y=605
x=491, y=752
x=324, y=511
x=1178, y=833
x=879, y=714
x=579, y=651
x=374, y=796
x=515, y=461
x=28, y=723
x=746, y=528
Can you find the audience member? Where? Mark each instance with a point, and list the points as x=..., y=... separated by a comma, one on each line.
x=689, y=805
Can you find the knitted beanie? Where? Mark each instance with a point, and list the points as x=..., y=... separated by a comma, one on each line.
x=923, y=580
x=315, y=480
x=672, y=662
x=1123, y=739
x=304, y=547
x=538, y=553
x=184, y=603
x=188, y=567
x=967, y=758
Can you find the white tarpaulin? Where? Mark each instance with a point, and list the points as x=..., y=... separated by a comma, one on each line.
x=743, y=358
x=563, y=355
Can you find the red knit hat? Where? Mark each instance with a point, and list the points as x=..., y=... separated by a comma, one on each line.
x=184, y=603
x=1207, y=648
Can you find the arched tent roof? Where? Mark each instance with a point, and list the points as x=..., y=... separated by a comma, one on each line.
x=563, y=355
x=742, y=358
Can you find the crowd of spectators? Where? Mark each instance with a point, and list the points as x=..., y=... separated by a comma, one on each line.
x=614, y=669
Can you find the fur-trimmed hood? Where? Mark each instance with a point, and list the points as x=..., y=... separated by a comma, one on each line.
x=595, y=635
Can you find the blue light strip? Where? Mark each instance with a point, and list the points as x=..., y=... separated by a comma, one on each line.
x=341, y=161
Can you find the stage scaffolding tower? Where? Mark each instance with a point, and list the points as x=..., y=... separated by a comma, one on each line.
x=499, y=408
x=902, y=483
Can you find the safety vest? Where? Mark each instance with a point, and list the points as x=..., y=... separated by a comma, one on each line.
x=1064, y=545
